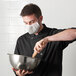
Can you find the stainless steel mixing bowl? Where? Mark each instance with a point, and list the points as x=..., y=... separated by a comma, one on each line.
x=23, y=62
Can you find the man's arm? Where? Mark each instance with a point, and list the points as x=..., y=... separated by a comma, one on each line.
x=66, y=35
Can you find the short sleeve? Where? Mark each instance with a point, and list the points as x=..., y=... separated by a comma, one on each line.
x=17, y=47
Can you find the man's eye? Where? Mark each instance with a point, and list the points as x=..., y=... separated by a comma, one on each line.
x=25, y=23
x=32, y=22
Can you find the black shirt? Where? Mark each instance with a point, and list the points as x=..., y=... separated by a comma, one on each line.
x=51, y=64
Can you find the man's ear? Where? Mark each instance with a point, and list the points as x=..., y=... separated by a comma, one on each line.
x=40, y=18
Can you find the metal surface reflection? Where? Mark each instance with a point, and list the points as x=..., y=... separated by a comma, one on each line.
x=23, y=62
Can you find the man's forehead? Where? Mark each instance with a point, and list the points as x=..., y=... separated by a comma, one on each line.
x=29, y=18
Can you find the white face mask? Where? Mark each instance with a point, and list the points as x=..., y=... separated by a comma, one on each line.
x=31, y=29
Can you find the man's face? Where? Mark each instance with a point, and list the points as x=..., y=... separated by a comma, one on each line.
x=30, y=19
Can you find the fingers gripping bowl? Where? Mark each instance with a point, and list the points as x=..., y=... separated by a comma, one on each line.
x=23, y=62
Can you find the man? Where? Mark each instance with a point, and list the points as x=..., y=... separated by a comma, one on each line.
x=48, y=43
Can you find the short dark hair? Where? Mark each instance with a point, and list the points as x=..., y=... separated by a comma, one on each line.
x=30, y=9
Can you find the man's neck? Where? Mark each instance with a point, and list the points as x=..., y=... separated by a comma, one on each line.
x=41, y=27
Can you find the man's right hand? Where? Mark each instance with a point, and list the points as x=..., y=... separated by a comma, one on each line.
x=21, y=72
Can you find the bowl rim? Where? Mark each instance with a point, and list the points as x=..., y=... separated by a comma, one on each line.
x=24, y=56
